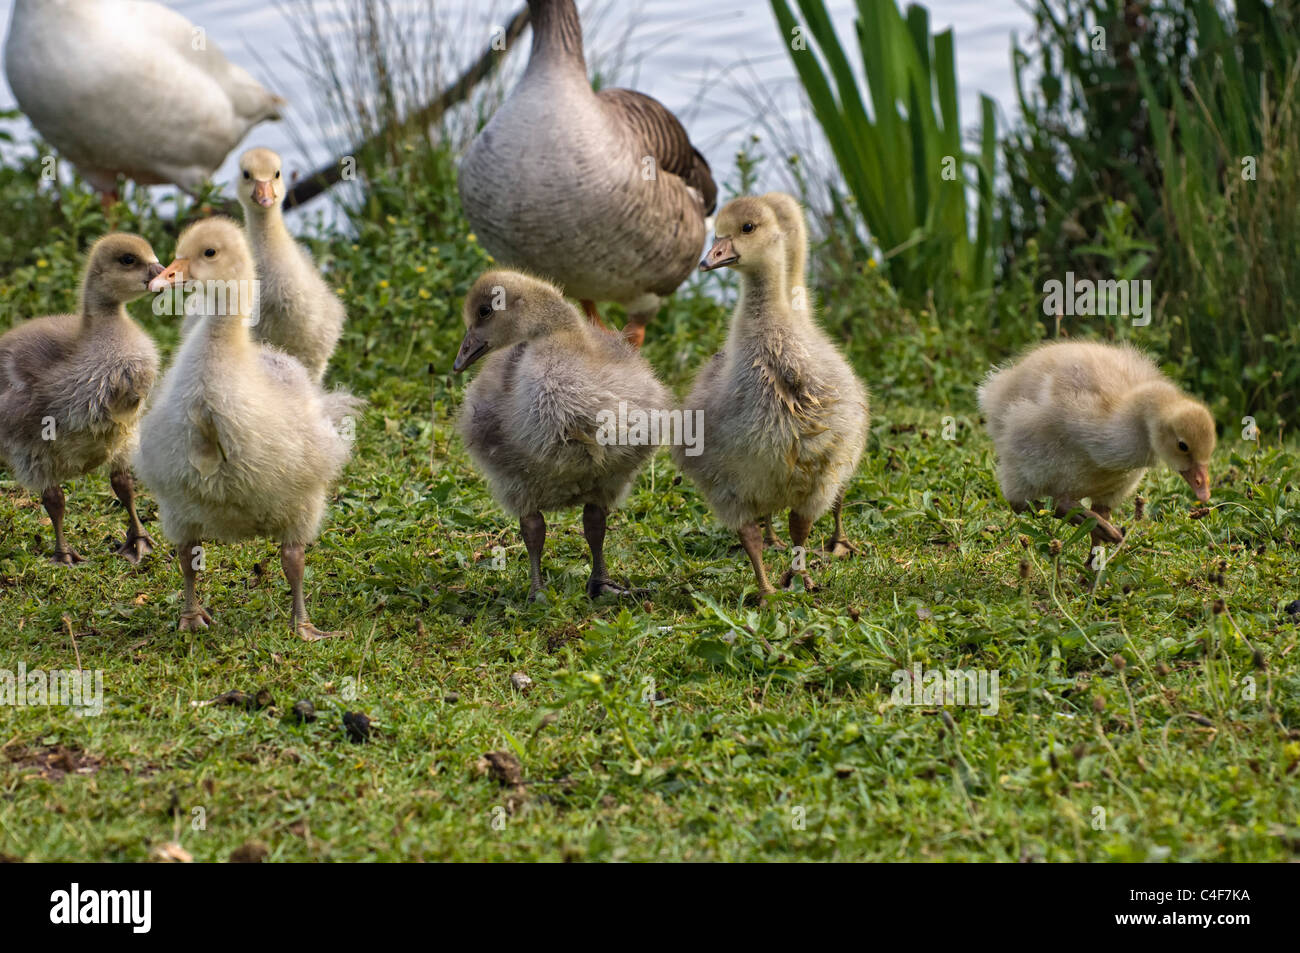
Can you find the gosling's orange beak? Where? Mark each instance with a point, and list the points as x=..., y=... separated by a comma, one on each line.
x=173, y=274
x=1198, y=478
x=722, y=253
x=264, y=193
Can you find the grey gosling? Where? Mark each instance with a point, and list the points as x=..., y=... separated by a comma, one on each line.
x=1076, y=420
x=73, y=387
x=536, y=419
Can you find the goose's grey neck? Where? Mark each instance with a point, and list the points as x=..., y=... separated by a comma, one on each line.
x=557, y=36
x=762, y=306
x=98, y=305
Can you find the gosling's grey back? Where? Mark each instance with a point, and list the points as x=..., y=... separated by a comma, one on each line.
x=530, y=421
x=85, y=385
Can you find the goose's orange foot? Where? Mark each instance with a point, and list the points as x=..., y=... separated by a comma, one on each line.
x=635, y=334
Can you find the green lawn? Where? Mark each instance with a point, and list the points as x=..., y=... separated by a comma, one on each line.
x=1149, y=718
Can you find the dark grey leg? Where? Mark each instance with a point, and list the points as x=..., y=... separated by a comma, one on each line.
x=800, y=527
x=55, y=504
x=593, y=527
x=138, y=543
x=533, y=529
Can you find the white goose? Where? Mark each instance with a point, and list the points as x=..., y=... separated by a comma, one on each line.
x=130, y=88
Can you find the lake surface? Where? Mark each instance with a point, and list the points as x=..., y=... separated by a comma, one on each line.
x=719, y=65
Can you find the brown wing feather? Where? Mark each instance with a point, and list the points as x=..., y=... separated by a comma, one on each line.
x=663, y=136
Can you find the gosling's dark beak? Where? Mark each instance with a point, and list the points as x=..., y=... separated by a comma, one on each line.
x=1198, y=478
x=155, y=269
x=722, y=253
x=471, y=349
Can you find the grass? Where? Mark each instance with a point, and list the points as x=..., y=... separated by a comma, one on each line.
x=1135, y=722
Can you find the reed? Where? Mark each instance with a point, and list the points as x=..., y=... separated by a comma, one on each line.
x=893, y=125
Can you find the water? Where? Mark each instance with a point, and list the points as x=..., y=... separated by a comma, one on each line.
x=711, y=63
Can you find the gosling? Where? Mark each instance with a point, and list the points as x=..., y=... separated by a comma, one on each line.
x=239, y=442
x=538, y=418
x=785, y=416
x=73, y=387
x=1081, y=420
x=297, y=311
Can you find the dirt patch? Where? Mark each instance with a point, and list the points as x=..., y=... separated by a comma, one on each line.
x=557, y=639
x=506, y=769
x=253, y=852
x=54, y=762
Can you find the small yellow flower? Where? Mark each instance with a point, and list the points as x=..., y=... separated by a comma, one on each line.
x=42, y=263
x=391, y=220
x=340, y=291
x=383, y=283
x=471, y=238
x=420, y=269
x=871, y=263
x=424, y=293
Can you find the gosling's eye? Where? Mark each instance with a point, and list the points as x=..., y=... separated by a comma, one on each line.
x=277, y=173
x=247, y=174
x=127, y=260
x=1182, y=445
x=484, y=310
x=210, y=253
x=747, y=227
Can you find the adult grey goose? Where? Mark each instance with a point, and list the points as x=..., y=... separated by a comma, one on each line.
x=600, y=192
